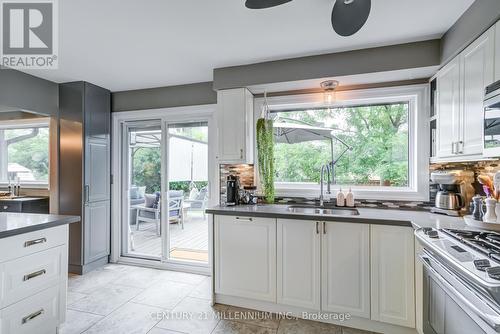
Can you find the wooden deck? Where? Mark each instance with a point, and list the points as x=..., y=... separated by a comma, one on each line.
x=194, y=237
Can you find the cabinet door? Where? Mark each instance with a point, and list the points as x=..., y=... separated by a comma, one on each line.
x=97, y=230
x=393, y=275
x=299, y=263
x=97, y=112
x=235, y=124
x=346, y=269
x=448, y=108
x=97, y=170
x=245, y=257
x=477, y=73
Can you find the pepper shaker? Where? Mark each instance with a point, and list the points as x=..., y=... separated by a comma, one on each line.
x=478, y=208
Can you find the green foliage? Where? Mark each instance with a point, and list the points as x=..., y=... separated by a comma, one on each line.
x=32, y=153
x=265, y=149
x=379, y=138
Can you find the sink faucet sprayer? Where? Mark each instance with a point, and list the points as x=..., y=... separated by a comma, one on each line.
x=324, y=168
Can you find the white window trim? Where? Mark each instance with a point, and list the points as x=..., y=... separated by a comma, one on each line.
x=418, y=151
x=27, y=124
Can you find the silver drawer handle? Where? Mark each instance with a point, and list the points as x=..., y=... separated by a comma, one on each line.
x=32, y=316
x=35, y=274
x=35, y=242
x=244, y=219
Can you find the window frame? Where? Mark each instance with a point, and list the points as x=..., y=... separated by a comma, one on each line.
x=418, y=140
x=41, y=122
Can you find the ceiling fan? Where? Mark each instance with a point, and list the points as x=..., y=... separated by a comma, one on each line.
x=348, y=16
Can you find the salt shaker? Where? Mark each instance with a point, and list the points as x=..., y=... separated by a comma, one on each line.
x=490, y=216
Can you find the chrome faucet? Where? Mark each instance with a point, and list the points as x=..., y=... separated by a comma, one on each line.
x=324, y=168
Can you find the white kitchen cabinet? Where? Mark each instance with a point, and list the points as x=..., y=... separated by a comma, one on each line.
x=245, y=257
x=477, y=72
x=448, y=108
x=460, y=95
x=497, y=51
x=299, y=247
x=393, y=275
x=346, y=268
x=235, y=126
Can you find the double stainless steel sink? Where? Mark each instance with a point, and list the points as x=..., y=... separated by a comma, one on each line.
x=316, y=210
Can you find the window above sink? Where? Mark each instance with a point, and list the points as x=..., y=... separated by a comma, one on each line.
x=385, y=127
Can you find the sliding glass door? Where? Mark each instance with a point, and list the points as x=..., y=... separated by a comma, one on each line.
x=165, y=191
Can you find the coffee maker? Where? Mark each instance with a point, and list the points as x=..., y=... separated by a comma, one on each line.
x=232, y=190
x=455, y=191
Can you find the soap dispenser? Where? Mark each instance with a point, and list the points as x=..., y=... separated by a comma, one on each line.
x=340, y=198
x=349, y=199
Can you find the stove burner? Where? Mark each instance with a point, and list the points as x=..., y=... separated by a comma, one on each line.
x=487, y=243
x=495, y=238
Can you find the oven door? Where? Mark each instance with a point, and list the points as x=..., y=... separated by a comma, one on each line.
x=491, y=133
x=450, y=307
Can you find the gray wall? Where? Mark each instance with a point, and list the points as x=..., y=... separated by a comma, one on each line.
x=387, y=58
x=164, y=97
x=22, y=91
x=481, y=15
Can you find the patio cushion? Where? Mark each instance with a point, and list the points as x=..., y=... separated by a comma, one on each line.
x=151, y=201
x=137, y=192
x=202, y=195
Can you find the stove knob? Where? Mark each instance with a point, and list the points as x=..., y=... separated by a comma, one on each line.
x=426, y=230
x=433, y=234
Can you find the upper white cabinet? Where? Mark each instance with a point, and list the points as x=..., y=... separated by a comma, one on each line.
x=299, y=263
x=245, y=257
x=393, y=275
x=235, y=126
x=346, y=268
x=448, y=103
x=497, y=51
x=460, y=94
x=477, y=72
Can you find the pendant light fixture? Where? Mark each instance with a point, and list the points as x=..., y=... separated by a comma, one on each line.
x=329, y=87
x=349, y=16
x=261, y=4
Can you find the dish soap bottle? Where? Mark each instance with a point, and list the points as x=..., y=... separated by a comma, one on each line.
x=340, y=198
x=349, y=199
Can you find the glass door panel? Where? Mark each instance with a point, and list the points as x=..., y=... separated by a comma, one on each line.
x=141, y=189
x=187, y=156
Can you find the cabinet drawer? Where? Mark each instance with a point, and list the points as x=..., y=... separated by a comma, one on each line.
x=32, y=242
x=37, y=314
x=10, y=206
x=26, y=276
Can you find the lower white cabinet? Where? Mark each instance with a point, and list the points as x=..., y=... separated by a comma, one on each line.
x=393, y=275
x=245, y=257
x=346, y=268
x=299, y=265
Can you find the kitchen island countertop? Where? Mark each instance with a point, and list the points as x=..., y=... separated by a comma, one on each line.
x=415, y=219
x=18, y=223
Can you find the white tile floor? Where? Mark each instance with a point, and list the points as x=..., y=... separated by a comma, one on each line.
x=120, y=299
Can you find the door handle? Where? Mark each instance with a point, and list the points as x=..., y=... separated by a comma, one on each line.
x=32, y=316
x=241, y=153
x=324, y=227
x=460, y=147
x=35, y=242
x=317, y=227
x=35, y=274
x=86, y=191
x=453, y=148
x=244, y=219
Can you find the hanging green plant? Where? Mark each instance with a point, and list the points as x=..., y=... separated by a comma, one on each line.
x=265, y=150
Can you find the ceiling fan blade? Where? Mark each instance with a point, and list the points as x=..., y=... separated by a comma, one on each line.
x=349, y=16
x=261, y=4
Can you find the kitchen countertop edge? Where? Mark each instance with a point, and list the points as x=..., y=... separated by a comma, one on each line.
x=374, y=216
x=48, y=222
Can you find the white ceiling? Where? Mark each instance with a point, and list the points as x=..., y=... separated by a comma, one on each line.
x=132, y=44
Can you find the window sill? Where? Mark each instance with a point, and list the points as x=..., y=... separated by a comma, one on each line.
x=42, y=186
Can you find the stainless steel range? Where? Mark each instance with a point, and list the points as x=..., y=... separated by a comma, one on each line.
x=461, y=281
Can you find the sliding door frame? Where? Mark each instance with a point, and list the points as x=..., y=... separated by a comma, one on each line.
x=205, y=113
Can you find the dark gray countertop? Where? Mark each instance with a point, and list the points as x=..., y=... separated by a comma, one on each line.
x=18, y=223
x=415, y=219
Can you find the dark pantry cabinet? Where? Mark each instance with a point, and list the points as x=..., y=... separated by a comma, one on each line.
x=84, y=172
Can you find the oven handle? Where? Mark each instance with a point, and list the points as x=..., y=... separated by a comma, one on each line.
x=493, y=322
